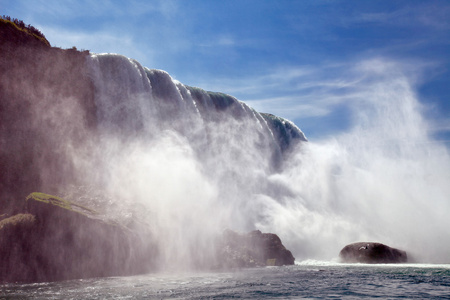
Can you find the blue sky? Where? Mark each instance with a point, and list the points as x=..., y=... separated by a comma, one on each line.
x=308, y=61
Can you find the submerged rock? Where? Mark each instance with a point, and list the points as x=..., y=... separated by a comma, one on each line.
x=58, y=240
x=372, y=253
x=253, y=249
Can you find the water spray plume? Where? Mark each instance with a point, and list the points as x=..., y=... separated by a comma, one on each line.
x=382, y=180
x=200, y=162
x=189, y=164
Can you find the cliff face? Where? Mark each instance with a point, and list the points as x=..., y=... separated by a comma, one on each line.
x=17, y=33
x=54, y=239
x=38, y=87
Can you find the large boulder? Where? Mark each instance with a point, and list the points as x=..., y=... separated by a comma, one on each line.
x=372, y=253
x=54, y=239
x=253, y=249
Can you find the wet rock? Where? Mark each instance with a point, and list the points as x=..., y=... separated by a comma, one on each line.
x=58, y=240
x=253, y=249
x=372, y=253
x=47, y=106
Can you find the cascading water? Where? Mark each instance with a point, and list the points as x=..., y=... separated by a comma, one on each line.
x=383, y=180
x=192, y=163
x=191, y=160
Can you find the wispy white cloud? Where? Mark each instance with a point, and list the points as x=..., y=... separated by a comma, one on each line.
x=226, y=41
x=426, y=14
x=300, y=92
x=126, y=28
x=219, y=41
x=274, y=80
x=97, y=42
x=444, y=125
x=292, y=107
x=72, y=9
x=440, y=126
x=292, y=92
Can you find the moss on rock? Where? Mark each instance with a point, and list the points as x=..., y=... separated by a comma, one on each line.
x=54, y=200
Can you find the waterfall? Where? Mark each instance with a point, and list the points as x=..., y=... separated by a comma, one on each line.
x=192, y=163
x=147, y=151
x=191, y=160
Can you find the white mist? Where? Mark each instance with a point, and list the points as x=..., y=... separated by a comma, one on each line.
x=385, y=180
x=191, y=170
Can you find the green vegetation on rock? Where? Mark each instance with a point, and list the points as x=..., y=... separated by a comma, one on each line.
x=16, y=26
x=54, y=200
x=54, y=239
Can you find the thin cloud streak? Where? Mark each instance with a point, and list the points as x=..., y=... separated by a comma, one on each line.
x=85, y=8
x=298, y=93
x=96, y=42
x=426, y=14
x=295, y=92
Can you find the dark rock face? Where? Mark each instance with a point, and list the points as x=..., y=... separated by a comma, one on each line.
x=53, y=239
x=372, y=253
x=58, y=240
x=253, y=249
x=40, y=87
x=18, y=33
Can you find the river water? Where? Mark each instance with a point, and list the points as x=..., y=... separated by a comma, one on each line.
x=310, y=279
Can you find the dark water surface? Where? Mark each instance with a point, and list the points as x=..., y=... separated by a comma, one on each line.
x=306, y=280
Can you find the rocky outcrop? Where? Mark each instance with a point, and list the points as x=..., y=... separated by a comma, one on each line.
x=41, y=87
x=372, y=253
x=15, y=31
x=253, y=249
x=55, y=239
